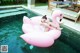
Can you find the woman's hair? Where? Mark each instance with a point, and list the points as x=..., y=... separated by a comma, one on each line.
x=44, y=17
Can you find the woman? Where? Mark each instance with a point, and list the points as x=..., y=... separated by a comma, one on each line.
x=48, y=25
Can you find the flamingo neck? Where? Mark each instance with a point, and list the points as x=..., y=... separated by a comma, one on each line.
x=55, y=22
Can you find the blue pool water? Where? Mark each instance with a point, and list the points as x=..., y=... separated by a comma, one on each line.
x=11, y=29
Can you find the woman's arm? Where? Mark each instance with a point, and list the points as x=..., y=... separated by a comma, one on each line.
x=46, y=25
x=54, y=26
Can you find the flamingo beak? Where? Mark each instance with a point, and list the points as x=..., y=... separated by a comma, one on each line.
x=61, y=16
x=60, y=20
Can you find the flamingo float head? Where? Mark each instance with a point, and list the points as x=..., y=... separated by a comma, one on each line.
x=57, y=13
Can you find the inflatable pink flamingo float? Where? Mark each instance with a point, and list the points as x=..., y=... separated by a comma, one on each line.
x=34, y=33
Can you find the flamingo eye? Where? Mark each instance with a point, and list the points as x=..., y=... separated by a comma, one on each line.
x=60, y=14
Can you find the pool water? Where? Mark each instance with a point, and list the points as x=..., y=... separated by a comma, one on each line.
x=11, y=29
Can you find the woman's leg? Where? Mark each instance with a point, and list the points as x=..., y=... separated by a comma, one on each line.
x=46, y=29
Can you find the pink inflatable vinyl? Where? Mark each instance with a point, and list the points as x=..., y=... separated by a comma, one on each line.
x=38, y=39
x=34, y=34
